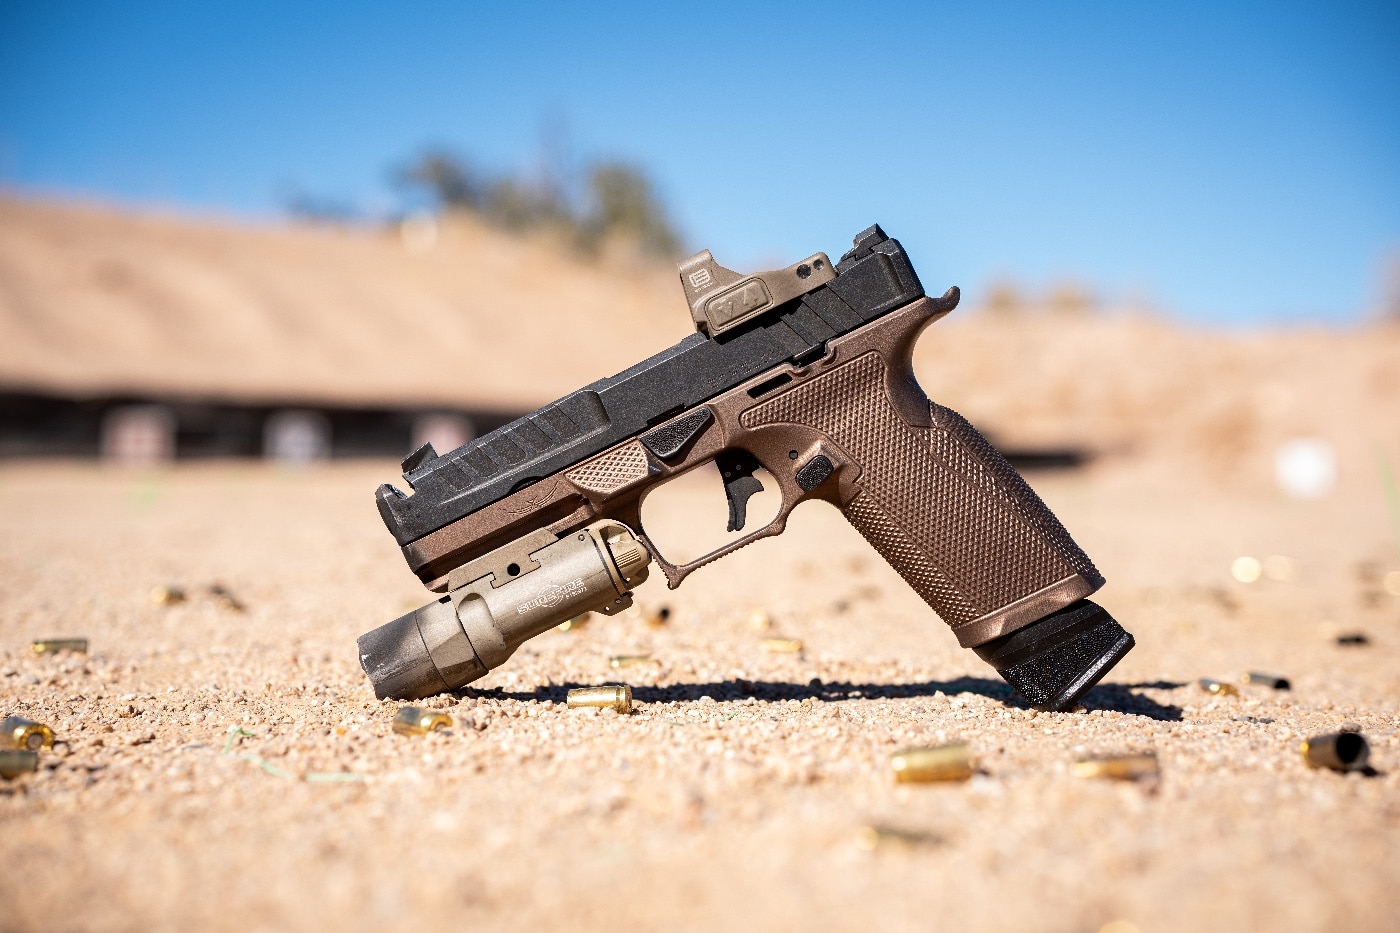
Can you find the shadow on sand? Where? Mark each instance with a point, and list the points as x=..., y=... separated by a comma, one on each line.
x=1120, y=698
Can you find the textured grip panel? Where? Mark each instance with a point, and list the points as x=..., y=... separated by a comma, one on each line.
x=941, y=505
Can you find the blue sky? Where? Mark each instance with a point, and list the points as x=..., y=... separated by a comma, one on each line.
x=1231, y=166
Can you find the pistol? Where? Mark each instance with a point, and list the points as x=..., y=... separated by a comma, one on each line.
x=806, y=372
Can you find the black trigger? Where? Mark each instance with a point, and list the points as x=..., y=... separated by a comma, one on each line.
x=736, y=468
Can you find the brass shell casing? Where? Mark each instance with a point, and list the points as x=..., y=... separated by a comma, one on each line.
x=942, y=763
x=166, y=595
x=411, y=720
x=1119, y=767
x=1337, y=751
x=17, y=732
x=17, y=761
x=1219, y=687
x=875, y=837
x=613, y=696
x=55, y=645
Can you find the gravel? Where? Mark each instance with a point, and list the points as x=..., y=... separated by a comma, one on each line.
x=226, y=768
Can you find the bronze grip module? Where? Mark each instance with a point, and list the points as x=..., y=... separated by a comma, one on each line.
x=805, y=372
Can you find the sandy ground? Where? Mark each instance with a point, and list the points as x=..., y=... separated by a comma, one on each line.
x=738, y=793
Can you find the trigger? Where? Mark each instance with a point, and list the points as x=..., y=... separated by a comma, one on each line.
x=736, y=469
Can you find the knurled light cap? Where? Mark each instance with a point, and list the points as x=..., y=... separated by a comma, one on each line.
x=630, y=557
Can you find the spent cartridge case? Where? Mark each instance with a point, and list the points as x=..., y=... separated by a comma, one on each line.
x=1219, y=687
x=1338, y=751
x=871, y=838
x=166, y=595
x=1119, y=767
x=17, y=761
x=412, y=720
x=941, y=763
x=782, y=645
x=1267, y=680
x=628, y=660
x=615, y=696
x=17, y=732
x=55, y=645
